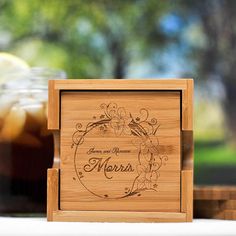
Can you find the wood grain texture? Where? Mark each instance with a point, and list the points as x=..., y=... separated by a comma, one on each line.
x=214, y=192
x=187, y=105
x=118, y=216
x=128, y=131
x=52, y=192
x=128, y=84
x=187, y=194
x=184, y=85
x=53, y=106
x=215, y=202
x=173, y=201
x=55, y=214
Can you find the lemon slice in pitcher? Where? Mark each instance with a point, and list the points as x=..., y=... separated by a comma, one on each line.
x=10, y=66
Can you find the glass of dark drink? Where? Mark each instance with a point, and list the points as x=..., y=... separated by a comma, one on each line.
x=26, y=146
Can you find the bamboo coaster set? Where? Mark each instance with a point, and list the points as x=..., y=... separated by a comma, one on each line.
x=123, y=150
x=215, y=202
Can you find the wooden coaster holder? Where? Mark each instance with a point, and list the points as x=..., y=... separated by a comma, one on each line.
x=58, y=191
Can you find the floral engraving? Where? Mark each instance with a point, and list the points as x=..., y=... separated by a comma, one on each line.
x=143, y=132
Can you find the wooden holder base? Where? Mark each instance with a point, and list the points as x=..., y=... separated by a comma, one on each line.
x=55, y=214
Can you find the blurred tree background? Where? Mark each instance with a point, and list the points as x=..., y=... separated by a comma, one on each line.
x=141, y=39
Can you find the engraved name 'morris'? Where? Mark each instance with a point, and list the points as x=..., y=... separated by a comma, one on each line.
x=102, y=164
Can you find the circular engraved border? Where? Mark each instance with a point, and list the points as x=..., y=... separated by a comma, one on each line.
x=144, y=136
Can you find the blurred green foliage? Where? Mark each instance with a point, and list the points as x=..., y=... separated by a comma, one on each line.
x=221, y=154
x=88, y=39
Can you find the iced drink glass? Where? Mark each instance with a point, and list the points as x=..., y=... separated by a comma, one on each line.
x=26, y=146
